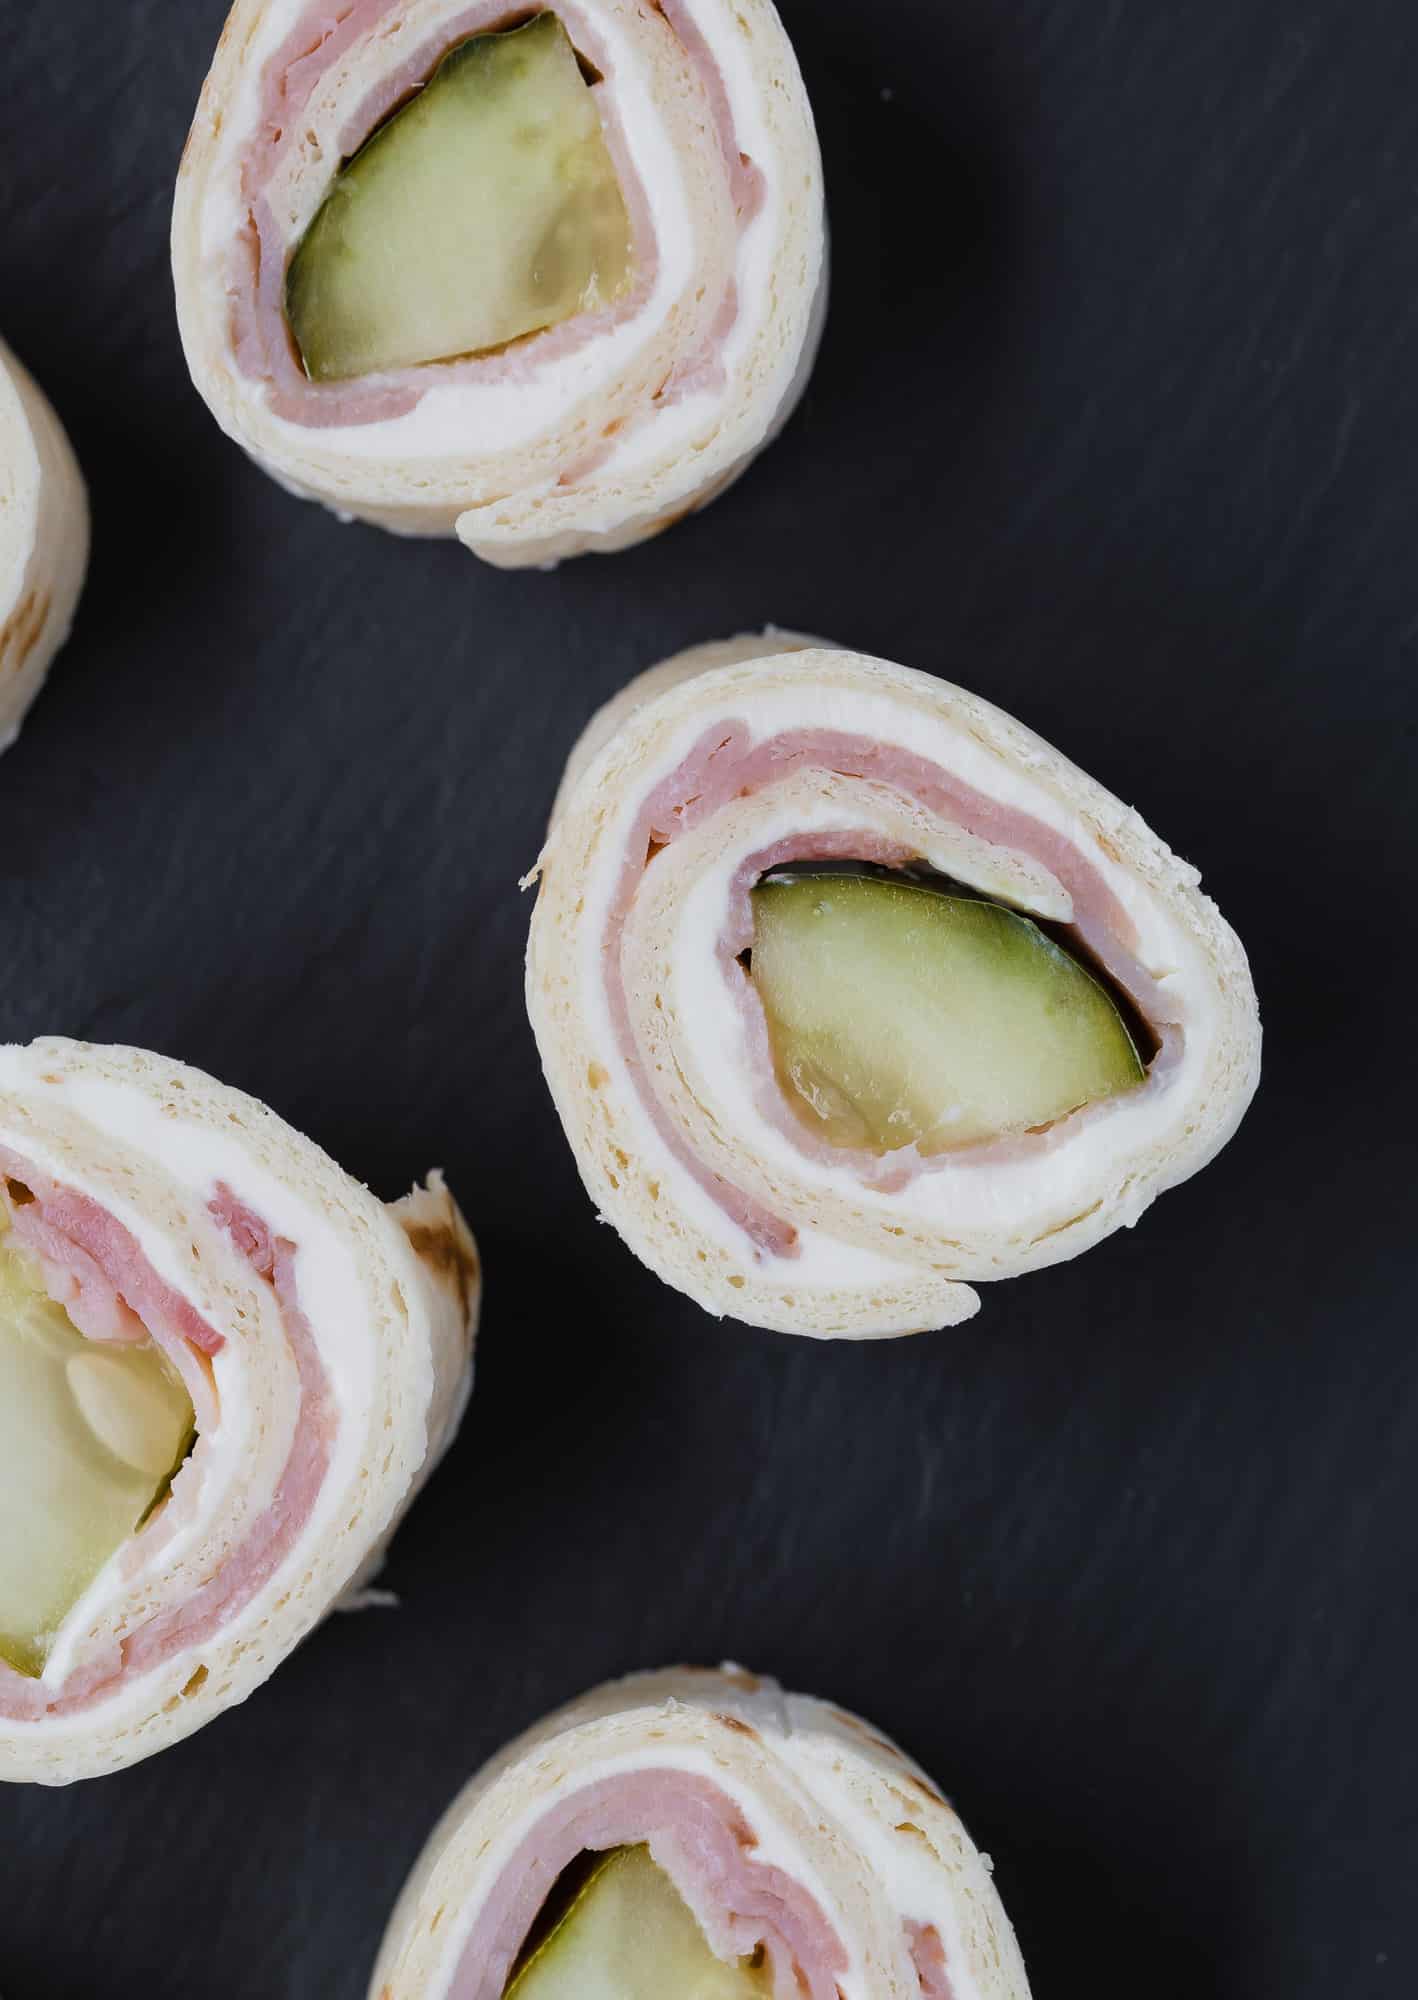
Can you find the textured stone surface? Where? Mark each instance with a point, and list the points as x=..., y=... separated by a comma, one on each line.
x=1117, y=421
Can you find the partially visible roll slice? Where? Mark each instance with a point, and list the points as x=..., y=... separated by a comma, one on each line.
x=44, y=541
x=852, y=993
x=699, y=1832
x=548, y=280
x=225, y=1370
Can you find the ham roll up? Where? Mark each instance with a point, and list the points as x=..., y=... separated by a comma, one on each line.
x=544, y=278
x=700, y=1833
x=44, y=541
x=851, y=992
x=225, y=1369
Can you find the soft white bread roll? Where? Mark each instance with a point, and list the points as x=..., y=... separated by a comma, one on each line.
x=591, y=434
x=44, y=541
x=325, y=1341
x=789, y=1827
x=734, y=760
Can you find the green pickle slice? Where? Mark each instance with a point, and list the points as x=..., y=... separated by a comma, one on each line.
x=628, y=1935
x=90, y=1437
x=486, y=208
x=900, y=1015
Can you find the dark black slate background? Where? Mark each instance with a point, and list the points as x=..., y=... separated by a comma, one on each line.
x=1117, y=421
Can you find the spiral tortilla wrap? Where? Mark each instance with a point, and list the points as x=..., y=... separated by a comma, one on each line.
x=731, y=760
x=326, y=1343
x=786, y=1824
x=595, y=433
x=44, y=541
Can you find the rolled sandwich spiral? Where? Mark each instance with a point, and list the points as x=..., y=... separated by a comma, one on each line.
x=818, y=1861
x=731, y=762
x=164, y=1239
x=44, y=541
x=657, y=382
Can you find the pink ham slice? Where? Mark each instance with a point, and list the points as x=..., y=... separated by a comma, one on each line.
x=260, y=336
x=929, y=1955
x=701, y=1839
x=727, y=765
x=94, y=1267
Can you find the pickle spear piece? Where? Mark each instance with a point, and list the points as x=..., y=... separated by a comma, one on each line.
x=89, y=1438
x=899, y=1015
x=486, y=208
x=628, y=1935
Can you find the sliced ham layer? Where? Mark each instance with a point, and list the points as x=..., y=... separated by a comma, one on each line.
x=93, y=1267
x=699, y=1837
x=261, y=338
x=702, y=1841
x=96, y=1270
x=725, y=766
x=929, y=1955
